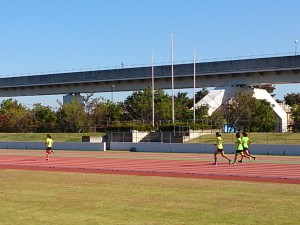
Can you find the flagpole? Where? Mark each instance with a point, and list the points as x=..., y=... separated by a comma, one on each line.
x=172, y=68
x=153, y=111
x=194, y=86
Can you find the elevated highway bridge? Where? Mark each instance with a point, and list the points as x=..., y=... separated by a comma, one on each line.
x=247, y=72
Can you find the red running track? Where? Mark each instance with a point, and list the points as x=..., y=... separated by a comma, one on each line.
x=280, y=169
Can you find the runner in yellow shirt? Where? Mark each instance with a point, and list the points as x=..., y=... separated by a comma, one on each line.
x=239, y=147
x=49, y=144
x=246, y=142
x=219, y=144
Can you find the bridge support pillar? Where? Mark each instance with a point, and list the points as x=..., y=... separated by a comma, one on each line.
x=218, y=96
x=72, y=97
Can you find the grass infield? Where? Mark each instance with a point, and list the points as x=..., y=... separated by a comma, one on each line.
x=257, y=138
x=43, y=197
x=41, y=137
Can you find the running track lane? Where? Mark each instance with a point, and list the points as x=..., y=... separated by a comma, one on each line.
x=267, y=169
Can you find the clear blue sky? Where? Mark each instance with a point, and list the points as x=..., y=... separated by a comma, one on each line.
x=39, y=36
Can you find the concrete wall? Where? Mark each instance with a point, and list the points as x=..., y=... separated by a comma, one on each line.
x=92, y=139
x=138, y=135
x=257, y=149
x=56, y=146
x=197, y=133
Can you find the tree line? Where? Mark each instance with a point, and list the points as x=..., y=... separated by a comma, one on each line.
x=241, y=112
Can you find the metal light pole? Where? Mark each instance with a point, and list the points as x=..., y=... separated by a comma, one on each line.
x=153, y=111
x=172, y=69
x=194, y=86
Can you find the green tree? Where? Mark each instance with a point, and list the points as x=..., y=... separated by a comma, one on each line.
x=116, y=111
x=296, y=117
x=15, y=117
x=138, y=106
x=44, y=117
x=292, y=99
x=183, y=107
x=71, y=117
x=201, y=94
x=163, y=106
x=246, y=112
x=101, y=110
x=202, y=113
x=236, y=111
x=97, y=110
x=262, y=118
x=216, y=120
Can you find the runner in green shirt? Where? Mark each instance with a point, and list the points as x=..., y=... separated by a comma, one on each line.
x=246, y=142
x=219, y=144
x=239, y=147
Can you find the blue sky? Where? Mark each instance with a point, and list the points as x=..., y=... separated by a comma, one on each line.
x=39, y=36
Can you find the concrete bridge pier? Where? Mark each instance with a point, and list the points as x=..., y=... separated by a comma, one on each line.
x=72, y=97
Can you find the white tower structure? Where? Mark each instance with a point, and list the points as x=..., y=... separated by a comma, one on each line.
x=220, y=95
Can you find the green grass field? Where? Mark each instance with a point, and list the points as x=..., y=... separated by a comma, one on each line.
x=62, y=198
x=257, y=138
x=41, y=137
